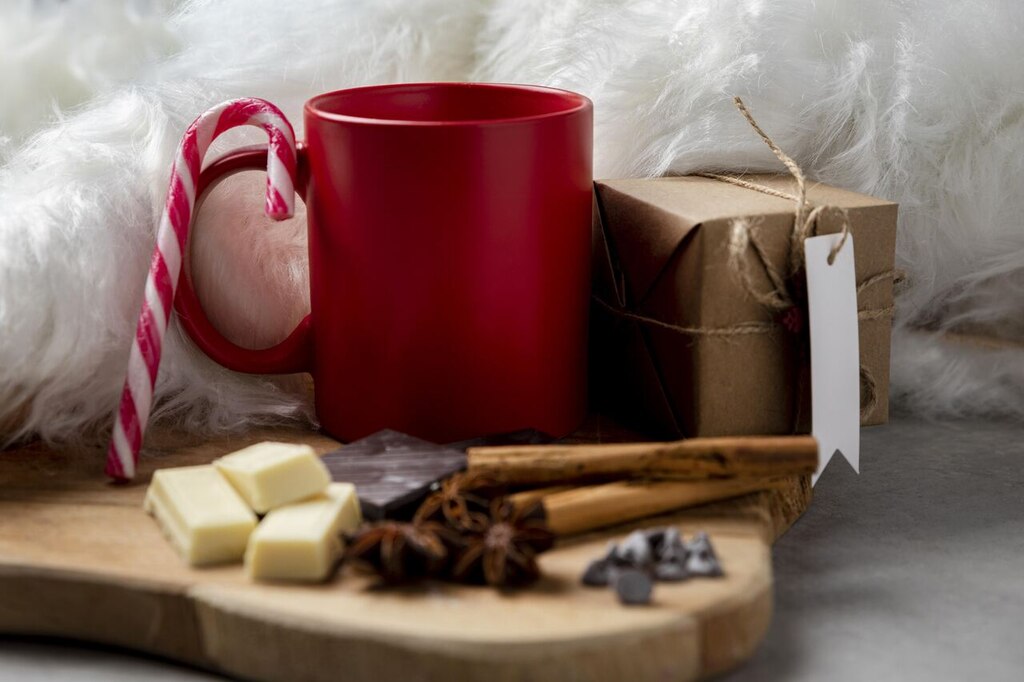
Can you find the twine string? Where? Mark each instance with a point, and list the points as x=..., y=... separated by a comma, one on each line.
x=743, y=239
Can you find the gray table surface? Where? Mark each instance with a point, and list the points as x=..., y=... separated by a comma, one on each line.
x=912, y=571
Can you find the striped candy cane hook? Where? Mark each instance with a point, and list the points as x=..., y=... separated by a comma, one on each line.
x=171, y=241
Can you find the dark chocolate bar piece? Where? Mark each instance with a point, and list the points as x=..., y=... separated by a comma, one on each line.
x=392, y=471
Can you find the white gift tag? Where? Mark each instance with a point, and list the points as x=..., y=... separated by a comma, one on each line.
x=835, y=350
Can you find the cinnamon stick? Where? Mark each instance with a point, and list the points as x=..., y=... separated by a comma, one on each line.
x=583, y=509
x=686, y=460
x=527, y=498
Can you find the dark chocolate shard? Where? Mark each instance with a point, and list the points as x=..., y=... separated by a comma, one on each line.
x=635, y=550
x=656, y=538
x=672, y=547
x=522, y=437
x=671, y=571
x=392, y=471
x=700, y=557
x=669, y=552
x=633, y=586
x=598, y=573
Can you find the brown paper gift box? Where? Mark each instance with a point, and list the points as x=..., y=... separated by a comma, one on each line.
x=660, y=256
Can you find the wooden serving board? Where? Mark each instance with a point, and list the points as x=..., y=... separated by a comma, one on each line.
x=80, y=559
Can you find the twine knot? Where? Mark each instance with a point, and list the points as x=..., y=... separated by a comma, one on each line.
x=805, y=220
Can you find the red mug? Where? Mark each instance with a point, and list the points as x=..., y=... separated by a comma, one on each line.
x=449, y=256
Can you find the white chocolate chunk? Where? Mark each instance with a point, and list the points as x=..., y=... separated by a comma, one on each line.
x=200, y=513
x=302, y=541
x=269, y=475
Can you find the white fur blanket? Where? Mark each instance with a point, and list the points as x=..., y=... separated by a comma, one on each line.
x=921, y=102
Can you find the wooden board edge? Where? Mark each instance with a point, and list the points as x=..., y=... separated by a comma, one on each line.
x=787, y=504
x=243, y=642
x=91, y=607
x=732, y=632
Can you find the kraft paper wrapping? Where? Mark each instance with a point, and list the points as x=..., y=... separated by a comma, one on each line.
x=660, y=256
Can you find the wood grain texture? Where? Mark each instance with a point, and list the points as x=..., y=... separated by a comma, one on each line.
x=79, y=558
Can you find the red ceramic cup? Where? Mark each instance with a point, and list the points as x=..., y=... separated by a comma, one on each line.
x=449, y=242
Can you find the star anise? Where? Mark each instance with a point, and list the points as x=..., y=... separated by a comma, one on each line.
x=400, y=551
x=505, y=551
x=455, y=505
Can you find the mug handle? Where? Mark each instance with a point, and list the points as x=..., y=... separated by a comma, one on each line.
x=295, y=353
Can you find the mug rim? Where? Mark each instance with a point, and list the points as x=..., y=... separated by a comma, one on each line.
x=575, y=104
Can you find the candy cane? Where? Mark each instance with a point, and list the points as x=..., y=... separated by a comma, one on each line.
x=171, y=239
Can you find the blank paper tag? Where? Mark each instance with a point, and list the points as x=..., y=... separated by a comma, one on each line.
x=835, y=350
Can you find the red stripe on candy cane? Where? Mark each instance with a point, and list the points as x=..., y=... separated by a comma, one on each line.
x=171, y=242
x=160, y=289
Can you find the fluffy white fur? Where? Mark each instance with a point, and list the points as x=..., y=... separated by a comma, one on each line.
x=55, y=55
x=921, y=102
x=81, y=199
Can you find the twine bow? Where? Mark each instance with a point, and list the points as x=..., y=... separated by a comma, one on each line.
x=780, y=299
